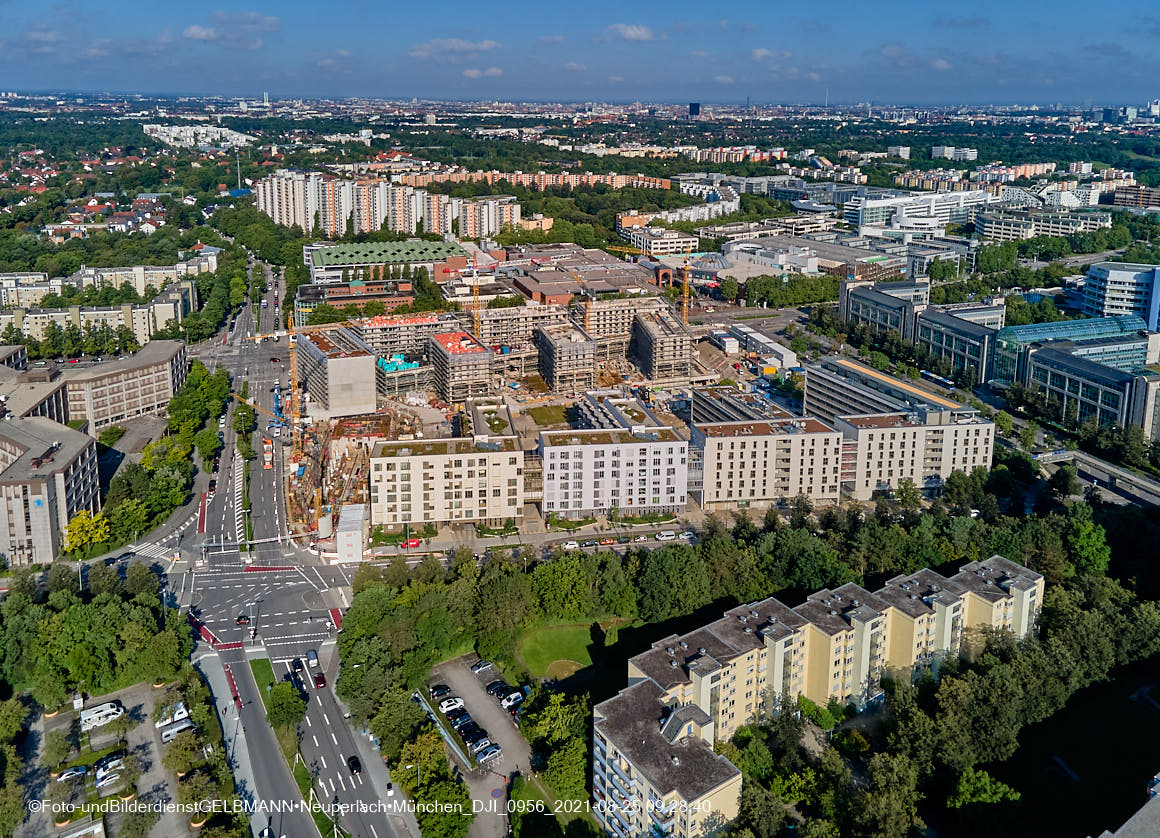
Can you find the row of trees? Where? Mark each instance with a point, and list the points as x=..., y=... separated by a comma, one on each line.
x=221, y=294
x=73, y=341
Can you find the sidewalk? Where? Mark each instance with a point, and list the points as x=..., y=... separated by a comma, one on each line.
x=209, y=664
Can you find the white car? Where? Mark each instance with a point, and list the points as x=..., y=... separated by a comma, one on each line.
x=489, y=754
x=511, y=700
x=480, y=745
x=571, y=545
x=449, y=704
x=107, y=780
x=667, y=535
x=687, y=535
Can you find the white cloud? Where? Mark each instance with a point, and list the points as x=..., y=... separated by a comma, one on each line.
x=476, y=73
x=448, y=50
x=250, y=22
x=200, y=33
x=940, y=64
x=573, y=67
x=762, y=54
x=723, y=79
x=631, y=31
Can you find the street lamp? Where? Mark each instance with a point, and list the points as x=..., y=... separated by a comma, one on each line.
x=416, y=767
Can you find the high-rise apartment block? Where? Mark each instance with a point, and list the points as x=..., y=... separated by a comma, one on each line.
x=653, y=758
x=314, y=201
x=1118, y=288
x=949, y=152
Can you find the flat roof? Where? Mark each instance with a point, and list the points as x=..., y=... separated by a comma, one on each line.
x=609, y=436
x=459, y=343
x=782, y=427
x=48, y=448
x=882, y=420
x=449, y=445
x=153, y=353
x=385, y=253
x=918, y=393
x=386, y=320
x=331, y=349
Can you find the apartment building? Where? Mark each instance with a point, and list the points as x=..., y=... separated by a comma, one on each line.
x=462, y=366
x=567, y=357
x=1020, y=224
x=664, y=345
x=630, y=471
x=1140, y=197
x=516, y=326
x=141, y=277
x=26, y=290
x=337, y=371
x=880, y=450
x=660, y=241
x=949, y=152
x=477, y=480
x=1115, y=289
x=758, y=463
x=48, y=474
x=36, y=392
x=406, y=335
x=143, y=383
x=917, y=211
x=143, y=319
x=689, y=691
x=14, y=356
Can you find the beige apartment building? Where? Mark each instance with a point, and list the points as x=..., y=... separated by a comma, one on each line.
x=689, y=691
x=756, y=463
x=478, y=480
x=115, y=391
x=882, y=449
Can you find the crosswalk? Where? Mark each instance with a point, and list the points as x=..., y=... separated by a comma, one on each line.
x=239, y=514
x=154, y=551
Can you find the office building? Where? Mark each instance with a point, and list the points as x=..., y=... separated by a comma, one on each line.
x=655, y=738
x=462, y=366
x=39, y=391
x=694, y=110
x=476, y=480
x=1139, y=197
x=336, y=370
x=626, y=471
x=391, y=293
x=48, y=474
x=1115, y=289
x=901, y=151
x=14, y=356
x=112, y=392
x=969, y=347
x=1020, y=224
x=918, y=212
x=1122, y=342
x=883, y=449
x=567, y=357
x=827, y=257
x=367, y=261
x=664, y=345
x=1078, y=389
x=757, y=463
x=660, y=241
x=883, y=306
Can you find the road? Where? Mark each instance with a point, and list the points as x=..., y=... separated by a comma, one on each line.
x=291, y=602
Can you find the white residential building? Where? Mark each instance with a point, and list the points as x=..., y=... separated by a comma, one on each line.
x=628, y=471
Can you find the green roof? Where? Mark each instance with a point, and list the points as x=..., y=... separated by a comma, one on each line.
x=385, y=253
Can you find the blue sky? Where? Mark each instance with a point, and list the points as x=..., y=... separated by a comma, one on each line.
x=900, y=51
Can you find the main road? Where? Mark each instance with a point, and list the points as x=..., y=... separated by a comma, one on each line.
x=292, y=604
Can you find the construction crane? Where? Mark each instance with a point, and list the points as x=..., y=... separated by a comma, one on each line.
x=623, y=248
x=475, y=307
x=685, y=291
x=575, y=274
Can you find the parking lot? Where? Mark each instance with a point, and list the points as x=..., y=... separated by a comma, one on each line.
x=501, y=728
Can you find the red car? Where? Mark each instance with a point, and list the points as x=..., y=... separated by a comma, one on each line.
x=319, y=681
x=74, y=360
x=411, y=542
x=607, y=541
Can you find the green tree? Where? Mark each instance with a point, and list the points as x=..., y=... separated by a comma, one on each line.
x=287, y=708
x=908, y=496
x=85, y=528
x=183, y=753
x=977, y=786
x=1029, y=435
x=1004, y=422
x=889, y=808
x=1064, y=482
x=1086, y=542
x=56, y=747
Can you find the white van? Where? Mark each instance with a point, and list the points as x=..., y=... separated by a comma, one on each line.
x=667, y=535
x=100, y=715
x=170, y=733
x=176, y=713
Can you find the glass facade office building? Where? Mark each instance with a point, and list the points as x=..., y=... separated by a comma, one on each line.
x=1118, y=342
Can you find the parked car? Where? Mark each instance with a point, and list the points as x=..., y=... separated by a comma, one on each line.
x=624, y=539
x=275, y=360
x=108, y=759
x=409, y=543
x=354, y=764
x=319, y=681
x=512, y=699
x=298, y=665
x=604, y=542
x=488, y=754
x=108, y=780
x=480, y=666
x=312, y=658
x=640, y=538
x=481, y=745
x=688, y=535
x=666, y=535
x=590, y=543
x=571, y=545
x=439, y=690
x=461, y=721
x=499, y=688
x=454, y=716
x=72, y=773
x=176, y=713
x=449, y=704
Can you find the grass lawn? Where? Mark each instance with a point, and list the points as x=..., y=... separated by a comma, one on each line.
x=92, y=756
x=263, y=676
x=541, y=647
x=548, y=414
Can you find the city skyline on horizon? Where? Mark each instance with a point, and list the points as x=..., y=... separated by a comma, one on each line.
x=996, y=55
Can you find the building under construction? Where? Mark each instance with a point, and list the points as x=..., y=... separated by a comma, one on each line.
x=336, y=369
x=461, y=366
x=609, y=321
x=567, y=357
x=516, y=325
x=663, y=344
x=405, y=335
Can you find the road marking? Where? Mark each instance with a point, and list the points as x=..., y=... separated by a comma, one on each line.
x=308, y=724
x=322, y=759
x=341, y=783
x=334, y=738
x=373, y=832
x=315, y=738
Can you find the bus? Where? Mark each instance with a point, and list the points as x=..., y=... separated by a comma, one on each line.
x=939, y=380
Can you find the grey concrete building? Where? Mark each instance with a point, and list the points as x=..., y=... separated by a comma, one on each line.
x=966, y=345
x=337, y=371
x=143, y=383
x=567, y=357
x=48, y=473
